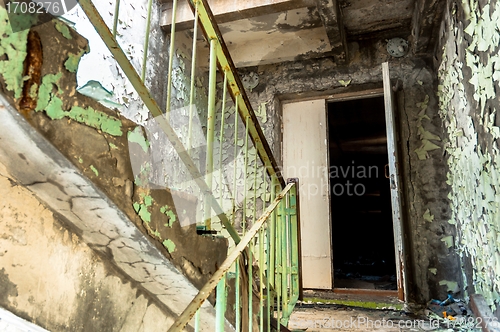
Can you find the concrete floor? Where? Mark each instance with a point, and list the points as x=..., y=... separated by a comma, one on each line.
x=340, y=318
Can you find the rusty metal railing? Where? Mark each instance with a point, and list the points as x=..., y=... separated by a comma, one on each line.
x=266, y=247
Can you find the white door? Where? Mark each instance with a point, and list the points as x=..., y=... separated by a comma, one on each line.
x=395, y=183
x=305, y=156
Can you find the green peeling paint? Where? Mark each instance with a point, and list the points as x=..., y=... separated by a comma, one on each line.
x=428, y=216
x=148, y=200
x=13, y=45
x=54, y=109
x=468, y=107
x=137, y=207
x=53, y=106
x=169, y=245
x=422, y=151
x=63, y=29
x=262, y=112
x=136, y=136
x=448, y=240
x=142, y=209
x=73, y=61
x=96, y=172
x=451, y=286
x=433, y=270
x=96, y=119
x=345, y=83
x=144, y=214
x=166, y=210
x=45, y=95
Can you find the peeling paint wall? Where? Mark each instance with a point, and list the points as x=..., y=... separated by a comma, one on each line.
x=48, y=276
x=433, y=267
x=469, y=77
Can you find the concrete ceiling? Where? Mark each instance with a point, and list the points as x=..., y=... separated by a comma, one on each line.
x=270, y=31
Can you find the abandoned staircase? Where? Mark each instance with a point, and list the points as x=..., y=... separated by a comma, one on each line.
x=263, y=264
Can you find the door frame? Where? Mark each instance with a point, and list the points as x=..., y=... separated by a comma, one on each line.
x=400, y=257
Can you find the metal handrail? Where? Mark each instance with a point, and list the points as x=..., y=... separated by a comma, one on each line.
x=205, y=291
x=211, y=31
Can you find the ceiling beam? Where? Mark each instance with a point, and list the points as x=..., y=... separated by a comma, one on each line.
x=425, y=25
x=331, y=15
x=228, y=11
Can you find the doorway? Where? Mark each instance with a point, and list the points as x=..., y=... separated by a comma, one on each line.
x=360, y=197
x=346, y=130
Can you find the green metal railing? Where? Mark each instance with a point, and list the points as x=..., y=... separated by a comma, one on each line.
x=263, y=265
x=275, y=237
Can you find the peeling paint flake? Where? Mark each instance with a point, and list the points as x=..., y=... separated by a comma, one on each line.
x=96, y=172
x=448, y=240
x=96, y=119
x=169, y=245
x=13, y=45
x=428, y=216
x=166, y=210
x=136, y=136
x=73, y=61
x=63, y=29
x=45, y=95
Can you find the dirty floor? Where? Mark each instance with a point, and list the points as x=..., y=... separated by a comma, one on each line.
x=386, y=314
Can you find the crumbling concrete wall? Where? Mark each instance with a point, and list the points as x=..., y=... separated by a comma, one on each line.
x=50, y=277
x=432, y=263
x=469, y=75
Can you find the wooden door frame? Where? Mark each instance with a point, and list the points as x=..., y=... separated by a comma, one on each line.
x=342, y=95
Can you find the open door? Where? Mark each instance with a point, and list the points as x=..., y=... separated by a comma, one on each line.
x=305, y=156
x=395, y=184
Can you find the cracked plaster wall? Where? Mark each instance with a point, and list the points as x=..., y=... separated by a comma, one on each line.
x=469, y=67
x=432, y=265
x=50, y=277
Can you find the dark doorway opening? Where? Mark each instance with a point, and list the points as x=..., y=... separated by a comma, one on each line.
x=362, y=229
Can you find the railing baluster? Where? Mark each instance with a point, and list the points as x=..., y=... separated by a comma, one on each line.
x=146, y=41
x=261, y=281
x=212, y=84
x=193, y=77
x=235, y=162
x=237, y=295
x=115, y=17
x=278, y=284
x=197, y=321
x=245, y=172
x=272, y=239
x=220, y=305
x=284, y=255
x=250, y=284
x=269, y=266
x=171, y=60
x=255, y=188
x=221, y=137
x=294, y=206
